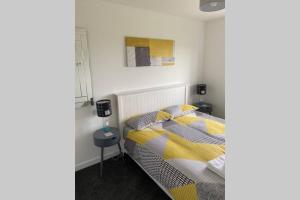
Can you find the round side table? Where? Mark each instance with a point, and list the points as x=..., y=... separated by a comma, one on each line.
x=102, y=141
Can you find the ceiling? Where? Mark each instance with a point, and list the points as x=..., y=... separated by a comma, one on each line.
x=182, y=8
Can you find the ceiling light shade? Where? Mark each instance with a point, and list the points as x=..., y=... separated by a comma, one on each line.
x=211, y=5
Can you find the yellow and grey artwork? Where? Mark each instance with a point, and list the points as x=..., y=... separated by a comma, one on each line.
x=149, y=52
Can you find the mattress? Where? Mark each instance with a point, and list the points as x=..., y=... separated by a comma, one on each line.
x=175, y=153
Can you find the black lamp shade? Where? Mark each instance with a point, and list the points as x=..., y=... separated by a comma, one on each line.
x=201, y=89
x=103, y=108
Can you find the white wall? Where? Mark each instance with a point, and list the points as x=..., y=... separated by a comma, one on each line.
x=107, y=25
x=214, y=65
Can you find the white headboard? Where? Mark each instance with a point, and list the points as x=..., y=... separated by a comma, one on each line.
x=137, y=102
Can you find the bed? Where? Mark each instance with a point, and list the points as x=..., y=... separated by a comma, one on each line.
x=174, y=153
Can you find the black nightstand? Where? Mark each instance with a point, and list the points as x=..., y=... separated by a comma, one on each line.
x=100, y=140
x=204, y=107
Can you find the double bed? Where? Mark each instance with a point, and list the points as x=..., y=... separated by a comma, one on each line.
x=174, y=153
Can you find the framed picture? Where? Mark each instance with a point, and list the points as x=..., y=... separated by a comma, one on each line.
x=144, y=52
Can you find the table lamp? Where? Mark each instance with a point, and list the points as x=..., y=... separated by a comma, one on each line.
x=104, y=110
x=201, y=89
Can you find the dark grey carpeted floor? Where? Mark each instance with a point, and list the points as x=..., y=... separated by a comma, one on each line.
x=122, y=179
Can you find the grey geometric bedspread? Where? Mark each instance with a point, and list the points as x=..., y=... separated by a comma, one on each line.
x=176, y=152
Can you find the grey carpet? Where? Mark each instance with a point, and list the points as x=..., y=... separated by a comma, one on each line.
x=122, y=180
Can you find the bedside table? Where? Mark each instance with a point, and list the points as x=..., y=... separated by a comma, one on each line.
x=102, y=141
x=204, y=107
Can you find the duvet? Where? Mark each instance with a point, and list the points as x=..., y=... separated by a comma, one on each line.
x=176, y=152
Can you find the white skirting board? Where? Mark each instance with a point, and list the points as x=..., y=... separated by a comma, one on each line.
x=95, y=160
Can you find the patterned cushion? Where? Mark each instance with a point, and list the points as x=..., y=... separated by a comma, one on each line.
x=149, y=119
x=180, y=110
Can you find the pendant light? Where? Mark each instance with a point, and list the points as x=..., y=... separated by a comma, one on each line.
x=211, y=5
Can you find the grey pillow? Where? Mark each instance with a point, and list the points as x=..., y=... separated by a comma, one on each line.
x=147, y=120
x=180, y=110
